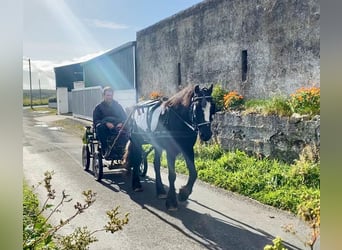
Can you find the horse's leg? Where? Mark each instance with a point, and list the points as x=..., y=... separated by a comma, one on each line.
x=133, y=158
x=171, y=200
x=161, y=194
x=186, y=190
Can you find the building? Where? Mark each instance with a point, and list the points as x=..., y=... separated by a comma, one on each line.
x=259, y=48
x=66, y=77
x=115, y=68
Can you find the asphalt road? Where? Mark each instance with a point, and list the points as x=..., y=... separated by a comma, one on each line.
x=211, y=219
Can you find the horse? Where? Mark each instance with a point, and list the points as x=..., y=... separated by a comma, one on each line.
x=172, y=125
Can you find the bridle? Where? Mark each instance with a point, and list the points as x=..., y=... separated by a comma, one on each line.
x=194, y=99
x=194, y=126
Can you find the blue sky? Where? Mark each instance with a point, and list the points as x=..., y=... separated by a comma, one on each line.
x=62, y=32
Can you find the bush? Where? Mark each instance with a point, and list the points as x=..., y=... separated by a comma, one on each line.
x=306, y=101
x=39, y=234
x=52, y=99
x=218, y=95
x=233, y=100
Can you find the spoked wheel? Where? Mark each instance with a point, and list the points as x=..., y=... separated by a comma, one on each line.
x=97, y=166
x=143, y=167
x=85, y=157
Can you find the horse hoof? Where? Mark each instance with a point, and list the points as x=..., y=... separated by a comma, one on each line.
x=171, y=205
x=162, y=196
x=138, y=189
x=183, y=194
x=172, y=209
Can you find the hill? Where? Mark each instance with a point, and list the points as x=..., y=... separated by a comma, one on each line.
x=45, y=93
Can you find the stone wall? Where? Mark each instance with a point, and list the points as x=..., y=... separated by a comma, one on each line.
x=283, y=138
x=205, y=43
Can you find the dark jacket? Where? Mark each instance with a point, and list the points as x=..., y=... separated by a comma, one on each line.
x=113, y=113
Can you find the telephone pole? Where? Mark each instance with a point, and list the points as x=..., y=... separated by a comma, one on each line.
x=30, y=83
x=40, y=93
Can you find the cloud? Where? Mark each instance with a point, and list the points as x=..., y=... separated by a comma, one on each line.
x=105, y=24
x=43, y=70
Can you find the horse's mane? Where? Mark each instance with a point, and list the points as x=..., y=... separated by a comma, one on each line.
x=181, y=98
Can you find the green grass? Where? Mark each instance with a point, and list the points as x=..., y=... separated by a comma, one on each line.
x=71, y=125
x=39, y=97
x=268, y=181
x=46, y=110
x=275, y=106
x=35, y=102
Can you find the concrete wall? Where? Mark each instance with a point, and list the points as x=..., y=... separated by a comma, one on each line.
x=205, y=43
x=62, y=100
x=275, y=137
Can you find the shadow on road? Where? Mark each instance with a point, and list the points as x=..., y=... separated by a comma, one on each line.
x=210, y=232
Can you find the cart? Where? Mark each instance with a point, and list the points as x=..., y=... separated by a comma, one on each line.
x=91, y=153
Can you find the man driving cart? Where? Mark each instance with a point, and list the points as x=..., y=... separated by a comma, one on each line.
x=108, y=120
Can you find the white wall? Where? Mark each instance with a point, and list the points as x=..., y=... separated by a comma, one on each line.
x=62, y=101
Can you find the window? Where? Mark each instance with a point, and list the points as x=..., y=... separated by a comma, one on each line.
x=179, y=74
x=244, y=65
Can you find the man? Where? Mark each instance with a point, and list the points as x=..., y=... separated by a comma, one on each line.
x=108, y=118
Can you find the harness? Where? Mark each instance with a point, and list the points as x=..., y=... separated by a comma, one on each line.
x=149, y=107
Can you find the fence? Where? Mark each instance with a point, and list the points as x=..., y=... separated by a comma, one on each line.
x=84, y=100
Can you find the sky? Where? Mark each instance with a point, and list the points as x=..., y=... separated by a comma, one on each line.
x=62, y=32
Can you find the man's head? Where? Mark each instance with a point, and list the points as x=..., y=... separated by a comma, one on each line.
x=108, y=94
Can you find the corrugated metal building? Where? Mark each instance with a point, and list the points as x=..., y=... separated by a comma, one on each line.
x=66, y=75
x=115, y=68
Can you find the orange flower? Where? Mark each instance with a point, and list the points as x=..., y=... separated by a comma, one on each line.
x=155, y=95
x=232, y=100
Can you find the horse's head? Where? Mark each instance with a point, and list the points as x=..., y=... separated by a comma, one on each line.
x=202, y=111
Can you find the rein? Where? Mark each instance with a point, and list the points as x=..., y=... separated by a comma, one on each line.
x=185, y=122
x=119, y=133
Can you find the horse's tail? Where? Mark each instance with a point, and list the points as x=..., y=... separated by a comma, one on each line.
x=133, y=155
x=132, y=159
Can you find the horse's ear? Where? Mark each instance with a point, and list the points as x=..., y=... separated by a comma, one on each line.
x=197, y=89
x=211, y=88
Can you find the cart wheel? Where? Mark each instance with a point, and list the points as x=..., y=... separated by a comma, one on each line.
x=85, y=157
x=143, y=167
x=97, y=166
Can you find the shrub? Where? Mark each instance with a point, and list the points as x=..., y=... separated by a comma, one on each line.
x=39, y=234
x=52, y=99
x=218, y=95
x=34, y=226
x=277, y=245
x=306, y=101
x=233, y=100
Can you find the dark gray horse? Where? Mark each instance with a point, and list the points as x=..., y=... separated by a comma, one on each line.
x=171, y=125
